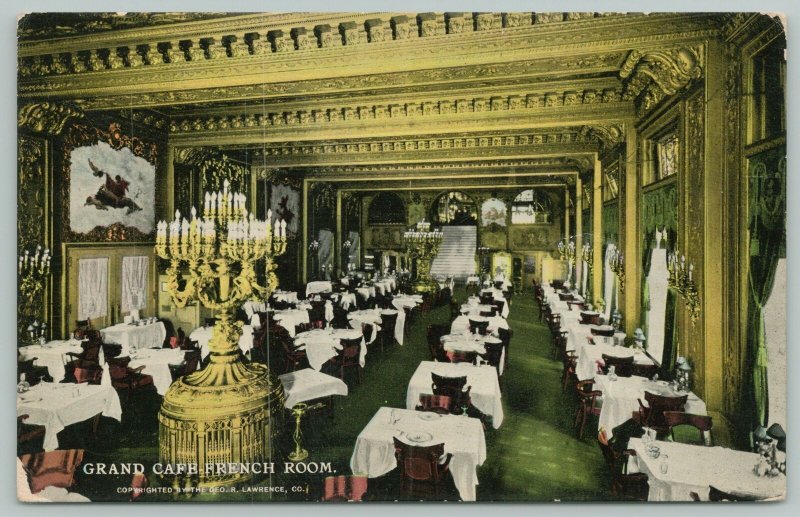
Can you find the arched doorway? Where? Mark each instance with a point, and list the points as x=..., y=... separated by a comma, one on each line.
x=454, y=208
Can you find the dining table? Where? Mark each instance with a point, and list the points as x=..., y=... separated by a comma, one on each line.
x=133, y=336
x=289, y=318
x=463, y=437
x=621, y=399
x=52, y=355
x=57, y=405
x=203, y=335
x=485, y=392
x=460, y=325
x=323, y=344
x=466, y=342
x=675, y=470
x=156, y=364
x=320, y=286
x=580, y=335
x=590, y=357
x=285, y=296
x=310, y=384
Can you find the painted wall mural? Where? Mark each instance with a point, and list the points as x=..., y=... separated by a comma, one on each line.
x=493, y=211
x=110, y=186
x=285, y=204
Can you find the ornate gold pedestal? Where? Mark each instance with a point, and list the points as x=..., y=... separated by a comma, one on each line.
x=423, y=245
x=220, y=415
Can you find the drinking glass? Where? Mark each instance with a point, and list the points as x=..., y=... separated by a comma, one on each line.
x=664, y=465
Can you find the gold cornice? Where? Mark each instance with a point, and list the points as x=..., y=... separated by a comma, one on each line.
x=596, y=35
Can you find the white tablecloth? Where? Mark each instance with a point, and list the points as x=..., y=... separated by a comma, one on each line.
x=323, y=344
x=133, y=337
x=291, y=317
x=53, y=355
x=621, y=399
x=485, y=392
x=467, y=342
x=156, y=363
x=403, y=301
x=384, y=286
x=251, y=307
x=203, y=335
x=693, y=468
x=463, y=437
x=473, y=280
x=347, y=300
x=460, y=325
x=589, y=356
x=321, y=286
x=578, y=336
x=57, y=405
x=309, y=384
x=475, y=310
x=369, y=316
x=285, y=296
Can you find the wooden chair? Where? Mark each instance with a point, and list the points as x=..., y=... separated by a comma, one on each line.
x=588, y=404
x=498, y=305
x=493, y=355
x=454, y=387
x=559, y=345
x=624, y=486
x=422, y=469
x=652, y=415
x=602, y=332
x=623, y=366
x=301, y=327
x=568, y=374
x=294, y=358
x=191, y=360
x=716, y=495
x=441, y=404
x=344, y=488
x=52, y=468
x=481, y=327
x=111, y=350
x=505, y=337
x=129, y=379
x=349, y=357
x=386, y=334
x=455, y=309
x=29, y=436
x=702, y=423
x=575, y=305
x=87, y=372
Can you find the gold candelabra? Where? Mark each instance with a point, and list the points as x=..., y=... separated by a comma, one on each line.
x=681, y=279
x=566, y=251
x=33, y=269
x=617, y=265
x=422, y=243
x=221, y=414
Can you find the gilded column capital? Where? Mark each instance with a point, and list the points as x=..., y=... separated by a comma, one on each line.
x=47, y=117
x=660, y=73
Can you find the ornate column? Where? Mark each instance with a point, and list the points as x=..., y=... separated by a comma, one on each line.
x=630, y=238
x=578, y=231
x=597, y=229
x=566, y=214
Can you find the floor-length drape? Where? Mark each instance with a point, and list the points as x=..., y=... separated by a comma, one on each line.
x=92, y=288
x=325, y=253
x=134, y=283
x=609, y=282
x=354, y=250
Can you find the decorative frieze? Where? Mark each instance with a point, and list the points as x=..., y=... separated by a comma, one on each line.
x=47, y=117
x=348, y=33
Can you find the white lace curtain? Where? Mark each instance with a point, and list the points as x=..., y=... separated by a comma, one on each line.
x=354, y=253
x=657, y=287
x=325, y=252
x=134, y=283
x=92, y=288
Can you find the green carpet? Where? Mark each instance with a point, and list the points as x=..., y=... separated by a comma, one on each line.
x=533, y=456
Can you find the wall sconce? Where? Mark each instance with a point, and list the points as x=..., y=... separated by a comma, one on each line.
x=680, y=279
x=617, y=264
x=588, y=256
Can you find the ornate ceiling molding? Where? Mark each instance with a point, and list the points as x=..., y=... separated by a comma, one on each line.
x=609, y=135
x=47, y=117
x=651, y=76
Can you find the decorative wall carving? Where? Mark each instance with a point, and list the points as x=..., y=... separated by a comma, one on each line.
x=47, y=117
x=651, y=76
x=533, y=237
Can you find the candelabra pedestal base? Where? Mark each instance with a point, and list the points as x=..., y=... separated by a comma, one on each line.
x=425, y=285
x=217, y=419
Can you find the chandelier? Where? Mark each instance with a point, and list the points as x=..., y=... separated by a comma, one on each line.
x=220, y=415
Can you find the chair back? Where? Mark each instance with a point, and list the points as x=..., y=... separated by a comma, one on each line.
x=351, y=348
x=117, y=368
x=565, y=297
x=658, y=404
x=111, y=350
x=388, y=322
x=420, y=463
x=498, y=304
x=90, y=374
x=461, y=356
x=441, y=404
x=451, y=383
x=52, y=468
x=344, y=488
x=191, y=360
x=478, y=326
x=302, y=327
x=486, y=299
x=487, y=314
x=623, y=366
x=702, y=423
x=602, y=332
x=608, y=452
x=494, y=352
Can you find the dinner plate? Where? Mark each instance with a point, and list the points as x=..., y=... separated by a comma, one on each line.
x=426, y=415
x=420, y=437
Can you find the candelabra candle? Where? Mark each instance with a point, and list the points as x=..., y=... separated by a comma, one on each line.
x=212, y=259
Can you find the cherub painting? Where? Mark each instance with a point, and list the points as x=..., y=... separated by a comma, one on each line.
x=110, y=186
